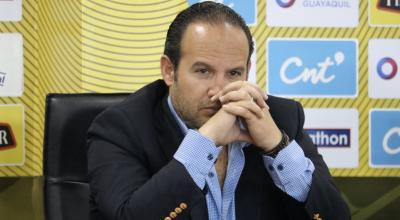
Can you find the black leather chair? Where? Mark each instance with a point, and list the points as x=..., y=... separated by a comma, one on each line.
x=68, y=116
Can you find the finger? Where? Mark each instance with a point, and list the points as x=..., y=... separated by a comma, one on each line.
x=254, y=91
x=239, y=85
x=253, y=88
x=244, y=94
x=234, y=96
x=245, y=109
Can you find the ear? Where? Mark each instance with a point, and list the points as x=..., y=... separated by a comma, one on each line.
x=167, y=70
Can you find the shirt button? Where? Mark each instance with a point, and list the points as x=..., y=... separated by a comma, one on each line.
x=280, y=167
x=270, y=167
x=211, y=174
x=210, y=156
x=172, y=214
x=183, y=205
x=178, y=210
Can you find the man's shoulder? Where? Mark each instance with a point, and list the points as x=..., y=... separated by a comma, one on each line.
x=145, y=98
x=282, y=103
x=137, y=106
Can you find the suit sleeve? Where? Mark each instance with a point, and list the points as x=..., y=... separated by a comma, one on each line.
x=122, y=183
x=324, y=200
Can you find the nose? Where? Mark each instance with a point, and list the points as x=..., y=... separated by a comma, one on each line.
x=217, y=83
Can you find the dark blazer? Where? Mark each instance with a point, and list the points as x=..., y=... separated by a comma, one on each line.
x=133, y=175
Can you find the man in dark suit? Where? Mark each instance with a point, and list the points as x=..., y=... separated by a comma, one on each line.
x=205, y=144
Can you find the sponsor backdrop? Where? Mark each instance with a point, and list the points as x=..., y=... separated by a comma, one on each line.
x=12, y=141
x=304, y=50
x=339, y=58
x=346, y=62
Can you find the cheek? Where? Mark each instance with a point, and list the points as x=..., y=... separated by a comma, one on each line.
x=193, y=89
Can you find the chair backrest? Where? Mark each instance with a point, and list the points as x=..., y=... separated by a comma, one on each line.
x=67, y=119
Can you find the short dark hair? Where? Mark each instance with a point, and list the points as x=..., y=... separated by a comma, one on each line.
x=209, y=12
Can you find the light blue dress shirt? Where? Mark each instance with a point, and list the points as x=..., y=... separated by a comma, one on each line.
x=291, y=171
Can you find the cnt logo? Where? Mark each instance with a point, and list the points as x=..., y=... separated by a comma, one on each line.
x=285, y=3
x=7, y=139
x=312, y=68
x=386, y=68
x=329, y=137
x=389, y=5
x=314, y=74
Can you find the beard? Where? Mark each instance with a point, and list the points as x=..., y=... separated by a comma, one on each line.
x=189, y=110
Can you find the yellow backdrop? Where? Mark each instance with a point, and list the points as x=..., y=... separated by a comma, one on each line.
x=114, y=46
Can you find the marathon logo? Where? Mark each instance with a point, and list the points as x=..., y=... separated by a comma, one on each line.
x=7, y=139
x=392, y=5
x=330, y=137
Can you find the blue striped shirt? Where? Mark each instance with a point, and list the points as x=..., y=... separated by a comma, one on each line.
x=291, y=171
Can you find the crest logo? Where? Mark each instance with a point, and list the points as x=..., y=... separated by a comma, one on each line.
x=382, y=71
x=390, y=5
x=285, y=3
x=7, y=139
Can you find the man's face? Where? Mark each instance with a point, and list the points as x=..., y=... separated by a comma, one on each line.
x=212, y=56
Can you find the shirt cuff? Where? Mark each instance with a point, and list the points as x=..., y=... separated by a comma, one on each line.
x=198, y=154
x=291, y=171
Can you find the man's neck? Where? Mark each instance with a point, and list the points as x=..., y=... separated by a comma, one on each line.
x=221, y=165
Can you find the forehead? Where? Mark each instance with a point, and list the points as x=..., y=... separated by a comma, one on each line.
x=215, y=41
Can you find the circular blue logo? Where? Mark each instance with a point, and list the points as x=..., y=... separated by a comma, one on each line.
x=389, y=61
x=285, y=4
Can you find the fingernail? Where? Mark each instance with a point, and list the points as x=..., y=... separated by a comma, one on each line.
x=221, y=99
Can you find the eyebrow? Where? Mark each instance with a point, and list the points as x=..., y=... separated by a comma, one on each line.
x=201, y=64
x=239, y=68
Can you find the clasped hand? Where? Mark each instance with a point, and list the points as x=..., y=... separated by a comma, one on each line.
x=247, y=101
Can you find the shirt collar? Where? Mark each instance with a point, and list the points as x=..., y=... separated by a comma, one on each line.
x=182, y=125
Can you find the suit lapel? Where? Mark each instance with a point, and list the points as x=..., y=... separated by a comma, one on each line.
x=170, y=137
x=170, y=134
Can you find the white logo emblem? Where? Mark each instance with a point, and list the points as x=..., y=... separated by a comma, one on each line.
x=391, y=150
x=315, y=75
